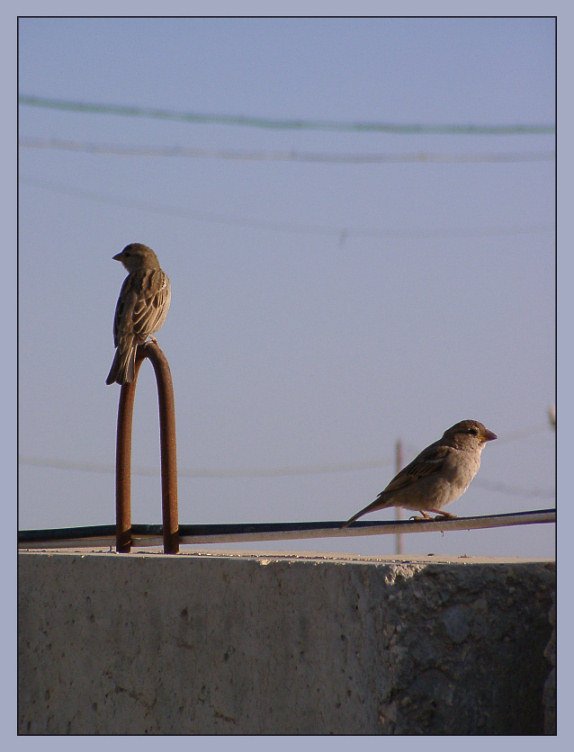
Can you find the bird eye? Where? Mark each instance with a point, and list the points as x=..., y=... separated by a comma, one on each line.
x=473, y=431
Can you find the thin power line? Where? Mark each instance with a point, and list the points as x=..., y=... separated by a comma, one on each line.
x=273, y=472
x=341, y=233
x=523, y=433
x=121, y=150
x=514, y=490
x=280, y=124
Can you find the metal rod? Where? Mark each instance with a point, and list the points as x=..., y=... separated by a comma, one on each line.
x=168, y=448
x=151, y=535
x=168, y=453
x=398, y=510
x=124, y=465
x=370, y=528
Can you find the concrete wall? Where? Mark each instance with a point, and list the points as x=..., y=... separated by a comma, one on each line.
x=283, y=644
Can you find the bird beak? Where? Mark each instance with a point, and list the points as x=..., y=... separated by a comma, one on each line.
x=488, y=435
x=118, y=256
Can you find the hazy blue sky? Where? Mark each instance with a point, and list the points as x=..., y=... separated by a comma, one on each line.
x=322, y=309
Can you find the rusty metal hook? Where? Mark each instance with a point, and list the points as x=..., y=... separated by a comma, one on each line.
x=152, y=351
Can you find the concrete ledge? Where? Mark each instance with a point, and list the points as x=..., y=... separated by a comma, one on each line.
x=235, y=643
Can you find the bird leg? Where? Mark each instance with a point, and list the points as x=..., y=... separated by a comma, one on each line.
x=425, y=516
x=440, y=515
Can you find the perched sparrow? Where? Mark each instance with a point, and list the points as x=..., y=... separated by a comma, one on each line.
x=141, y=310
x=438, y=475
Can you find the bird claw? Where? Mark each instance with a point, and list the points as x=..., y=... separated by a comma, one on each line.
x=439, y=516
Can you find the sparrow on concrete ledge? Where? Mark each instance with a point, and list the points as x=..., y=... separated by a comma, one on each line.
x=440, y=474
x=141, y=310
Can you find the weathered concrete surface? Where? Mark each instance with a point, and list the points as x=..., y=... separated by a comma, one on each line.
x=283, y=644
x=549, y=696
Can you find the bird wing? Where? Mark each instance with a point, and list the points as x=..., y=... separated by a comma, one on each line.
x=428, y=462
x=124, y=311
x=150, y=306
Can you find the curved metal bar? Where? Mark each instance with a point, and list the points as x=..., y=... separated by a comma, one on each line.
x=152, y=351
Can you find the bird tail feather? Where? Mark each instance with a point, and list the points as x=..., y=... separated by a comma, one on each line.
x=374, y=505
x=123, y=366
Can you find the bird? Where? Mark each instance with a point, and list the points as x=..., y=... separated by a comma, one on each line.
x=141, y=309
x=440, y=474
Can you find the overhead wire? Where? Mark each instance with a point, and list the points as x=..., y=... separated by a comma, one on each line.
x=341, y=233
x=254, y=472
x=286, y=471
x=275, y=472
x=122, y=150
x=284, y=123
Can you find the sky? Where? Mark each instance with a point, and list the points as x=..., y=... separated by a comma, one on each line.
x=335, y=288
